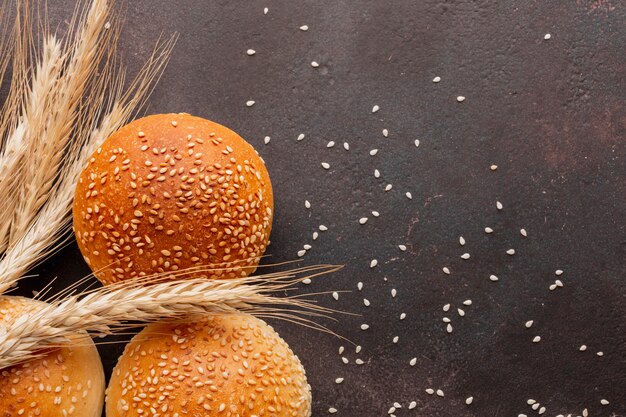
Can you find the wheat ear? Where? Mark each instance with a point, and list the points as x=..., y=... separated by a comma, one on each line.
x=114, y=308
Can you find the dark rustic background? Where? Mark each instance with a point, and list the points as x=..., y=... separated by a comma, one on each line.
x=549, y=113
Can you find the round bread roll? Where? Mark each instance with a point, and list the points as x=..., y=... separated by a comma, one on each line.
x=67, y=381
x=169, y=192
x=228, y=365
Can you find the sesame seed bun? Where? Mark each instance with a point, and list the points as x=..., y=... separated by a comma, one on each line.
x=230, y=365
x=65, y=382
x=169, y=192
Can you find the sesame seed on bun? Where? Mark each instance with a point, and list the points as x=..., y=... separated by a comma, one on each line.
x=169, y=192
x=64, y=382
x=232, y=365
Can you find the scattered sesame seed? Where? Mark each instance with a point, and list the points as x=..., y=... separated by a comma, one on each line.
x=529, y=324
x=385, y=133
x=413, y=361
x=461, y=240
x=493, y=167
x=417, y=143
x=395, y=339
x=510, y=252
x=359, y=285
x=530, y=401
x=341, y=349
x=460, y=99
x=412, y=405
x=558, y=283
x=373, y=263
x=250, y=103
x=266, y=140
x=141, y=134
x=300, y=137
x=446, y=307
x=440, y=393
x=488, y=230
x=323, y=228
x=604, y=402
x=365, y=326
x=107, y=25
x=359, y=362
x=446, y=270
x=547, y=36
x=315, y=235
x=536, y=339
x=600, y=353
x=265, y=10
x=375, y=213
x=358, y=349
x=461, y=312
x=363, y=220
x=330, y=144
x=467, y=302
x=436, y=79
x=325, y=165
x=366, y=302
x=430, y=391
x=585, y=413
x=499, y=205
x=394, y=292
x=493, y=278
x=307, y=204
x=345, y=360
x=552, y=287
x=315, y=64
x=469, y=400
x=582, y=348
x=376, y=173
x=346, y=146
x=409, y=195
x=558, y=272
x=375, y=108
x=332, y=410
x=523, y=232
x=251, y=52
x=446, y=320
x=304, y=28
x=301, y=253
x=402, y=247
x=402, y=316
x=335, y=295
x=388, y=187
x=542, y=410
x=449, y=328
x=306, y=281
x=373, y=152
x=338, y=380
x=465, y=256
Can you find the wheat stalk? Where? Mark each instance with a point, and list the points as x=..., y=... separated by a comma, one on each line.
x=82, y=107
x=117, y=307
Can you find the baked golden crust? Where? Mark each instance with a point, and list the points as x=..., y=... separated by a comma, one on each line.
x=227, y=365
x=66, y=382
x=169, y=192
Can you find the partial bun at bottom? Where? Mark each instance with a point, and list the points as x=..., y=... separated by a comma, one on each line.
x=65, y=382
x=231, y=365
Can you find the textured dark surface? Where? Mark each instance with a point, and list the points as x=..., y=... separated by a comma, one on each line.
x=549, y=113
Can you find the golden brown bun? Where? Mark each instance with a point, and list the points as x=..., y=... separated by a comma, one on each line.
x=228, y=365
x=173, y=191
x=66, y=382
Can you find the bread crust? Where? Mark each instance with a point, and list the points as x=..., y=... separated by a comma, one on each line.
x=173, y=191
x=228, y=365
x=67, y=381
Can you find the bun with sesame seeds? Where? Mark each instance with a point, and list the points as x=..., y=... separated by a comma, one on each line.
x=169, y=192
x=64, y=382
x=232, y=365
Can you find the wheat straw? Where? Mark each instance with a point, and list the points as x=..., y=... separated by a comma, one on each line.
x=117, y=307
x=80, y=111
